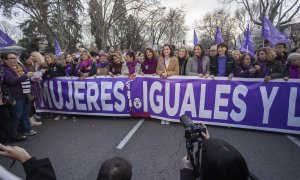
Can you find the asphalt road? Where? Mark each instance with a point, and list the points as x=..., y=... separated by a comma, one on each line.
x=77, y=148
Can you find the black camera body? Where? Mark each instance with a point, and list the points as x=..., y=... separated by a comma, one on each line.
x=193, y=135
x=192, y=131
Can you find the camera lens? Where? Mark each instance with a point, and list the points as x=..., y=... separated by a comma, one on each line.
x=186, y=121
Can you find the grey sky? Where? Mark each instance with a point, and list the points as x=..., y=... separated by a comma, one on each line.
x=194, y=10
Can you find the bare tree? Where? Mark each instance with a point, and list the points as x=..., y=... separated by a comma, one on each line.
x=105, y=13
x=217, y=18
x=53, y=18
x=175, y=28
x=285, y=10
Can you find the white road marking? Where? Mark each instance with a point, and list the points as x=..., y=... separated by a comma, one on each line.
x=130, y=134
x=294, y=140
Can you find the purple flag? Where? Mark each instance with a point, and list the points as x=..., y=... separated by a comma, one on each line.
x=57, y=48
x=272, y=34
x=248, y=45
x=5, y=40
x=219, y=37
x=196, y=41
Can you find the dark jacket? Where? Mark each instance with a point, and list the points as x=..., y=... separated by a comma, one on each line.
x=14, y=82
x=214, y=67
x=91, y=70
x=70, y=69
x=115, y=68
x=242, y=71
x=54, y=70
x=271, y=68
x=37, y=169
x=182, y=66
x=187, y=174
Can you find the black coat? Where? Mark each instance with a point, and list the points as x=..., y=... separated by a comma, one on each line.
x=273, y=69
x=241, y=71
x=214, y=66
x=187, y=174
x=182, y=66
x=37, y=169
x=55, y=70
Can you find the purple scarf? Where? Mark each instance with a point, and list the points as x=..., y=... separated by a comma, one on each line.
x=102, y=65
x=200, y=65
x=68, y=69
x=131, y=66
x=294, y=72
x=84, y=64
x=149, y=66
x=263, y=68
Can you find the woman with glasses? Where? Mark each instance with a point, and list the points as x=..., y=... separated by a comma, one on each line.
x=17, y=79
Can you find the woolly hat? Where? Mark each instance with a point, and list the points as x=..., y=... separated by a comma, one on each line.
x=102, y=53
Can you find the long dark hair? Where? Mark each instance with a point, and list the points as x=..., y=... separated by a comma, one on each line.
x=220, y=160
x=202, y=49
x=24, y=56
x=171, y=50
x=151, y=50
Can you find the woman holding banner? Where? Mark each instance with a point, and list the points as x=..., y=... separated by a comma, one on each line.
x=246, y=69
x=183, y=57
x=267, y=66
x=167, y=66
x=131, y=68
x=85, y=65
x=150, y=63
x=198, y=65
x=116, y=66
x=69, y=64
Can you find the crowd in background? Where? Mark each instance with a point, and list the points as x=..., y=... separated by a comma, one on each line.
x=20, y=75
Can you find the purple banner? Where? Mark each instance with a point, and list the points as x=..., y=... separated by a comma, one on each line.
x=244, y=103
x=105, y=96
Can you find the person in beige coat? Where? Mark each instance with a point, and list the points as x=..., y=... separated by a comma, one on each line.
x=167, y=64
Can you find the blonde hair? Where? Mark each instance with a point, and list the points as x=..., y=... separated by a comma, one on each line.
x=53, y=58
x=187, y=56
x=90, y=57
x=40, y=58
x=236, y=51
x=120, y=56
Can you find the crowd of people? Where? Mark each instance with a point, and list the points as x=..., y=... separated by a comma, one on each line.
x=20, y=76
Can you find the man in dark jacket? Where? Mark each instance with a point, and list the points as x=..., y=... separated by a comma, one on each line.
x=223, y=64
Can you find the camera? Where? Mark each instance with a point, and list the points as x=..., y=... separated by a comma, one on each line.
x=192, y=131
x=193, y=135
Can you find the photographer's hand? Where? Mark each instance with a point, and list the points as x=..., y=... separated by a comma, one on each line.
x=15, y=152
x=187, y=163
x=205, y=135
